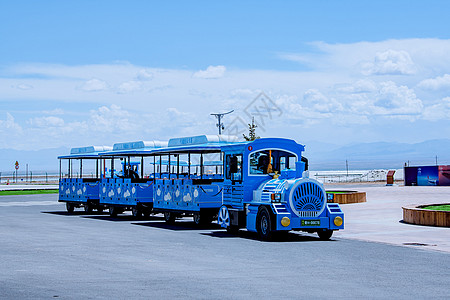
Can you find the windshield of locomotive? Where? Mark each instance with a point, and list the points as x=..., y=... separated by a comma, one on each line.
x=269, y=161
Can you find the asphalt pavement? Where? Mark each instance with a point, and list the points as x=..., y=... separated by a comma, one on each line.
x=46, y=253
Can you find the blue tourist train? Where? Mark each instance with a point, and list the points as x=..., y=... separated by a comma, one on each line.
x=261, y=185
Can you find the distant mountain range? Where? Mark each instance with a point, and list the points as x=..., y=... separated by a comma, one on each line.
x=38, y=160
x=379, y=155
x=321, y=156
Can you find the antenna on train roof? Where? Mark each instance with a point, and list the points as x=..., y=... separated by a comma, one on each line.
x=219, y=118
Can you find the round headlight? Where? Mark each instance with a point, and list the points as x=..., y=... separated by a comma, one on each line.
x=285, y=221
x=338, y=221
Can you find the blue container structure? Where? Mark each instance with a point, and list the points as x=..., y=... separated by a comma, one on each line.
x=130, y=188
x=267, y=189
x=260, y=185
x=81, y=190
x=427, y=175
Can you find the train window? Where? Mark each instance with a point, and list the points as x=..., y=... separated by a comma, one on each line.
x=212, y=165
x=269, y=161
x=195, y=165
x=282, y=162
x=292, y=160
x=234, y=167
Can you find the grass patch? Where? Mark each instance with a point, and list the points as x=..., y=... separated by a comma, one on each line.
x=438, y=207
x=28, y=192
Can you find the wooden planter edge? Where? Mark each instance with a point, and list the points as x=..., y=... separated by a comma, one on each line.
x=413, y=214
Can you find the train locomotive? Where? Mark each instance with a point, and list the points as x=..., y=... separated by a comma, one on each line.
x=261, y=185
x=267, y=189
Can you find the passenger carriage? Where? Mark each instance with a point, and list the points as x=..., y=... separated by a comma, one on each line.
x=132, y=187
x=77, y=189
x=193, y=182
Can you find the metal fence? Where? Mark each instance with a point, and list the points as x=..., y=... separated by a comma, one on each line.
x=324, y=176
x=354, y=176
x=29, y=177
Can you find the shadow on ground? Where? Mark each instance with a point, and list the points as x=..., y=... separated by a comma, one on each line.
x=188, y=225
x=285, y=237
x=104, y=216
x=121, y=218
x=65, y=213
x=179, y=226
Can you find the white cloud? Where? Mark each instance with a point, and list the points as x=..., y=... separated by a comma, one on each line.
x=9, y=125
x=246, y=93
x=382, y=99
x=438, y=83
x=360, y=86
x=129, y=86
x=396, y=100
x=50, y=121
x=297, y=113
x=212, y=72
x=439, y=111
x=140, y=102
x=320, y=103
x=415, y=57
x=113, y=119
x=390, y=62
x=175, y=113
x=144, y=75
x=56, y=111
x=94, y=85
x=24, y=87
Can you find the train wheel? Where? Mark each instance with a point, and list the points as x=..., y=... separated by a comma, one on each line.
x=112, y=211
x=197, y=219
x=223, y=217
x=202, y=219
x=100, y=208
x=169, y=217
x=137, y=213
x=87, y=208
x=264, y=224
x=147, y=212
x=325, y=234
x=69, y=207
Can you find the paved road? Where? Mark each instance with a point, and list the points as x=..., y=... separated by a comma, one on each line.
x=45, y=253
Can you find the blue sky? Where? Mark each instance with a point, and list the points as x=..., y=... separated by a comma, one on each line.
x=75, y=73
x=195, y=34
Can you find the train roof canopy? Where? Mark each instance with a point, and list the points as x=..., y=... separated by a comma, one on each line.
x=266, y=143
x=134, y=148
x=139, y=145
x=202, y=139
x=198, y=144
x=86, y=152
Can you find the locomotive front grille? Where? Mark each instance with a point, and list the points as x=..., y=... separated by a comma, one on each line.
x=307, y=199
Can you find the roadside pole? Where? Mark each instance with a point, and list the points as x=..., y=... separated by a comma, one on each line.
x=16, y=166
